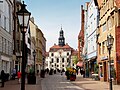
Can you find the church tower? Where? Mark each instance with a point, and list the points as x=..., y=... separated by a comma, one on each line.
x=61, y=39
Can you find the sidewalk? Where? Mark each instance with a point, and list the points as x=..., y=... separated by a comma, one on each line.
x=90, y=84
x=14, y=85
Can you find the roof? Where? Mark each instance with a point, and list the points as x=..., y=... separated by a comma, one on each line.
x=75, y=53
x=57, y=47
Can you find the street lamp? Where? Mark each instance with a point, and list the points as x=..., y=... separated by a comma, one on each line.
x=34, y=54
x=109, y=44
x=23, y=18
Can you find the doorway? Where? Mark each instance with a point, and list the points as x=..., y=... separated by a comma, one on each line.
x=105, y=71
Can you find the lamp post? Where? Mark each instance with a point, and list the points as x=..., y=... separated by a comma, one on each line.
x=23, y=18
x=34, y=54
x=109, y=43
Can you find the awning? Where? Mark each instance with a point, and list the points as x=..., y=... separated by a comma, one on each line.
x=80, y=64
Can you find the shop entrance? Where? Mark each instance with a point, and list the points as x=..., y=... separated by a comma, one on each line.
x=105, y=71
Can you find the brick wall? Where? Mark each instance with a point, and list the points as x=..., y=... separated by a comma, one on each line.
x=118, y=54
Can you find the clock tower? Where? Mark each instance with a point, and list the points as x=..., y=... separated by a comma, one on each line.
x=61, y=39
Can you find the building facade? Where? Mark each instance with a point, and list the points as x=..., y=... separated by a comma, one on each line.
x=60, y=56
x=6, y=34
x=109, y=24
x=91, y=28
x=40, y=44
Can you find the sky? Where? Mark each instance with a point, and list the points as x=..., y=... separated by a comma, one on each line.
x=50, y=15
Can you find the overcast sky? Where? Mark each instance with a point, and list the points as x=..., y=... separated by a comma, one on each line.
x=49, y=15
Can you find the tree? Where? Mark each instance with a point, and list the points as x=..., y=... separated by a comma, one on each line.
x=75, y=59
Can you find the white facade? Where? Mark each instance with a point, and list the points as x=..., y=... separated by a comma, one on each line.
x=59, y=60
x=29, y=53
x=6, y=37
x=92, y=23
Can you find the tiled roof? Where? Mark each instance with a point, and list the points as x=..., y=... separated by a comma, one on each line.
x=57, y=47
x=75, y=53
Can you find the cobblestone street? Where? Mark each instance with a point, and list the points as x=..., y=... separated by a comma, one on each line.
x=58, y=82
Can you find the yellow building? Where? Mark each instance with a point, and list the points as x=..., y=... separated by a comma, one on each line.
x=37, y=34
x=108, y=25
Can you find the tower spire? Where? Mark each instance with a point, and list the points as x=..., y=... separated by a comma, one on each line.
x=61, y=39
x=61, y=26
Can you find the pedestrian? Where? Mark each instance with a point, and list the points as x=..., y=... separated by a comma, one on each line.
x=13, y=73
x=2, y=78
x=19, y=76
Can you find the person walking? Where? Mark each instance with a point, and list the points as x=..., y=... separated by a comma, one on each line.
x=2, y=78
x=13, y=73
x=19, y=76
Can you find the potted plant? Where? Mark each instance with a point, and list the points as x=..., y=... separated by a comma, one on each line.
x=31, y=78
x=71, y=74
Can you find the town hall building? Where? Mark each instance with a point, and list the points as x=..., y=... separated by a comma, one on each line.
x=60, y=56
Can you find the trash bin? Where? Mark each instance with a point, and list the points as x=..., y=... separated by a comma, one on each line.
x=31, y=79
x=42, y=74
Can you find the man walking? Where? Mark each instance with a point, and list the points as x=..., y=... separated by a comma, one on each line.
x=2, y=78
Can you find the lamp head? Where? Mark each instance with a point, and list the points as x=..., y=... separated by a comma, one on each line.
x=23, y=17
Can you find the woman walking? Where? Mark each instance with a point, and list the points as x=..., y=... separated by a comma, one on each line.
x=19, y=76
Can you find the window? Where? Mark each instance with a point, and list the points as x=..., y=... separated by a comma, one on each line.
x=57, y=60
x=0, y=19
x=62, y=65
x=100, y=48
x=67, y=59
x=109, y=23
x=103, y=47
x=93, y=48
x=104, y=27
x=17, y=46
x=29, y=41
x=63, y=60
x=57, y=65
x=4, y=22
x=67, y=54
x=52, y=60
x=52, y=54
x=112, y=20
